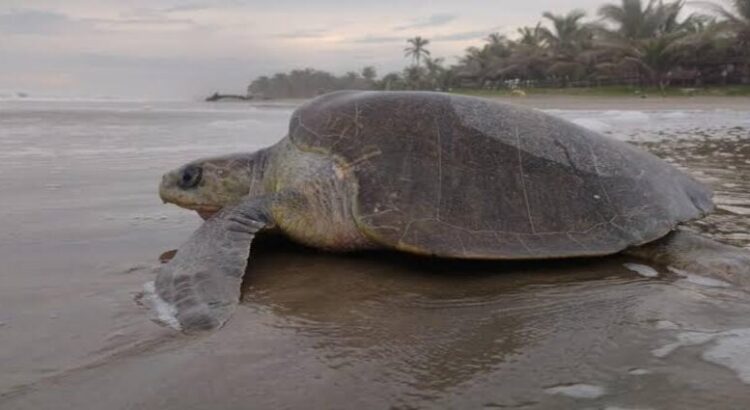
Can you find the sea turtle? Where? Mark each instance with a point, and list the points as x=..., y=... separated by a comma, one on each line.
x=433, y=174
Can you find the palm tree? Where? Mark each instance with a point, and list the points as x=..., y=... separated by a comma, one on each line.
x=415, y=76
x=651, y=40
x=524, y=59
x=416, y=49
x=392, y=81
x=632, y=18
x=740, y=16
x=498, y=46
x=738, y=22
x=351, y=76
x=654, y=58
x=568, y=40
x=476, y=64
x=369, y=74
x=496, y=38
x=531, y=36
x=526, y=63
x=436, y=73
x=569, y=35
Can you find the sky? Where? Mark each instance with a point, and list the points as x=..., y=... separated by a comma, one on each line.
x=186, y=49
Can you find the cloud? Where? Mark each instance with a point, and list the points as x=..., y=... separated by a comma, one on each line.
x=35, y=22
x=434, y=20
x=305, y=33
x=378, y=39
x=187, y=7
x=465, y=35
x=447, y=37
x=142, y=24
x=203, y=5
x=141, y=12
x=27, y=21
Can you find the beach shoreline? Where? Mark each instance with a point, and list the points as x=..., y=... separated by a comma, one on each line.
x=578, y=102
x=541, y=101
x=567, y=102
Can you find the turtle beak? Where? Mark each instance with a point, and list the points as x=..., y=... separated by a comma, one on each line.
x=168, y=184
x=163, y=188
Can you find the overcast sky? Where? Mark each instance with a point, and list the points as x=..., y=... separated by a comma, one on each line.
x=177, y=49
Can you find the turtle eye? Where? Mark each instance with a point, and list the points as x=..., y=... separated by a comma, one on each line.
x=190, y=177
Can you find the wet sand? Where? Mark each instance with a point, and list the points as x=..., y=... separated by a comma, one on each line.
x=630, y=103
x=81, y=228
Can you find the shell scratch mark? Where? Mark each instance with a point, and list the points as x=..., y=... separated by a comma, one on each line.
x=524, y=245
x=595, y=161
x=523, y=182
x=524, y=234
x=378, y=213
x=388, y=228
x=408, y=227
x=577, y=242
x=339, y=138
x=463, y=245
x=440, y=168
x=374, y=153
x=353, y=122
x=305, y=128
x=357, y=122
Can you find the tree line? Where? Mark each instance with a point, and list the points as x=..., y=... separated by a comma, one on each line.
x=638, y=43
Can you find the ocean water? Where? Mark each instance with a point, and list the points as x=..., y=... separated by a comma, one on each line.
x=81, y=227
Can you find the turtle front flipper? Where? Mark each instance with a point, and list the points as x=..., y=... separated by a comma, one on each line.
x=688, y=253
x=200, y=288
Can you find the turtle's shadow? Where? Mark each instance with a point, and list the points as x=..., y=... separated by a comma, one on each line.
x=439, y=322
x=277, y=261
x=273, y=245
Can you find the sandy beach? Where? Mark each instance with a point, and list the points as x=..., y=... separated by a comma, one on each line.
x=630, y=103
x=81, y=228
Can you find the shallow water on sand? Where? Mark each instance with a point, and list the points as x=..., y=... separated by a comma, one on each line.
x=81, y=227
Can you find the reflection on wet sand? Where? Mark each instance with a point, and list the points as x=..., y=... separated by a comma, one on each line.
x=435, y=328
x=435, y=324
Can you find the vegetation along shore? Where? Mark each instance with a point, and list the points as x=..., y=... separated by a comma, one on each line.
x=641, y=47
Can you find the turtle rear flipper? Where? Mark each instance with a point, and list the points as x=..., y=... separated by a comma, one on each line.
x=200, y=287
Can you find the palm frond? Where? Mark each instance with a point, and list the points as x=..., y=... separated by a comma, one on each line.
x=722, y=11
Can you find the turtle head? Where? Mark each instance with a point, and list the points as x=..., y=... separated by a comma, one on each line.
x=207, y=185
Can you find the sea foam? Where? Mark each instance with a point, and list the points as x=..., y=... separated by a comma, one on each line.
x=642, y=270
x=729, y=349
x=578, y=391
x=163, y=312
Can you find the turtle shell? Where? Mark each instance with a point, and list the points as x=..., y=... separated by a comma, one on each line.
x=467, y=177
